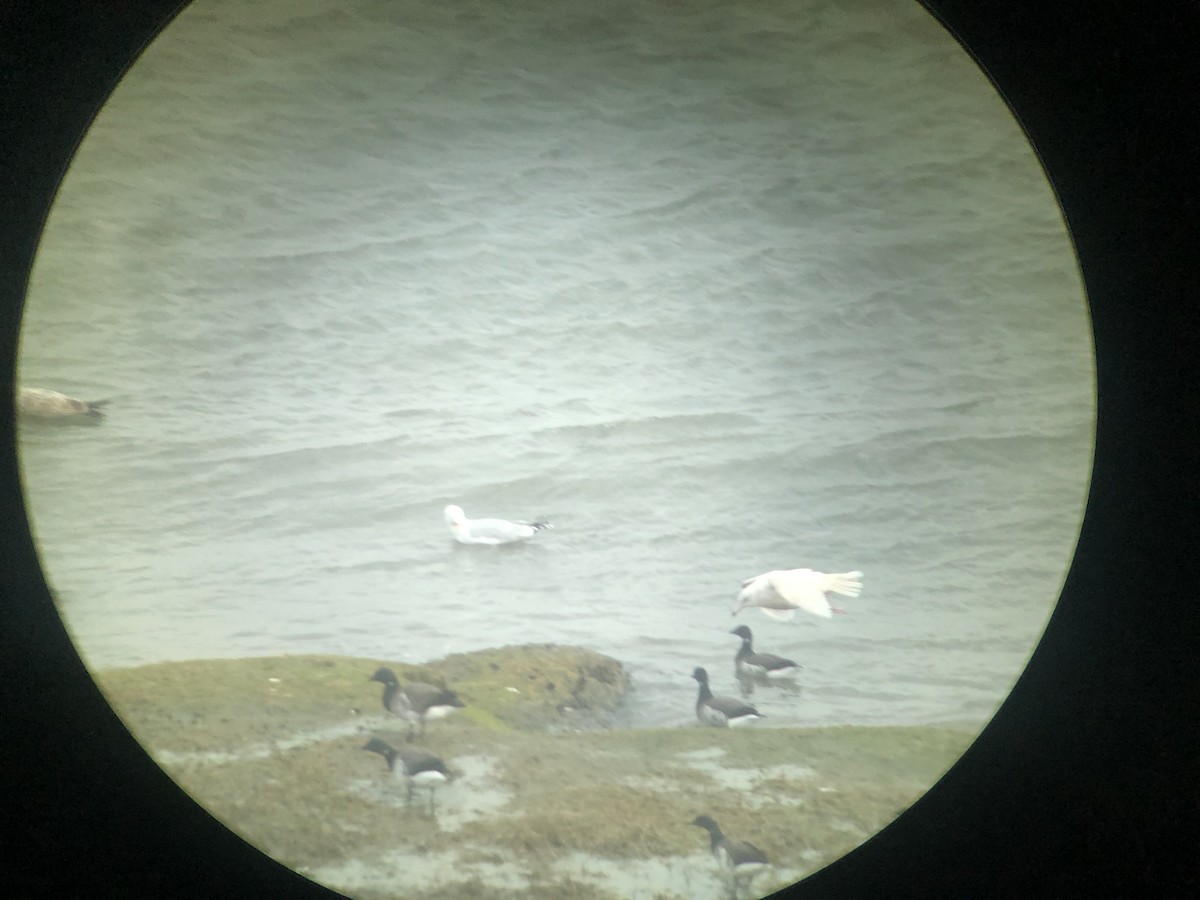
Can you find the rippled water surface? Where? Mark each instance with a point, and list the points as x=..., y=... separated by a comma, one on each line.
x=714, y=288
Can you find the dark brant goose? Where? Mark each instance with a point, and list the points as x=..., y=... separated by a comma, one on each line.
x=40, y=403
x=418, y=768
x=416, y=701
x=751, y=664
x=741, y=859
x=721, y=711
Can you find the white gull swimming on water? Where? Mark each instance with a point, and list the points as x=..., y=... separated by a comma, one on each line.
x=489, y=531
x=780, y=593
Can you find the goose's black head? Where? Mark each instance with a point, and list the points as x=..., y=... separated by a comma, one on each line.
x=384, y=674
x=700, y=675
x=742, y=631
x=383, y=748
x=707, y=823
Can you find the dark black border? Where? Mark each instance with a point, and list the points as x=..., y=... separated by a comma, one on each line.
x=1086, y=783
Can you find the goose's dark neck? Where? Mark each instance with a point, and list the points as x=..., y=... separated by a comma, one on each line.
x=746, y=649
x=389, y=693
x=705, y=693
x=388, y=753
x=715, y=838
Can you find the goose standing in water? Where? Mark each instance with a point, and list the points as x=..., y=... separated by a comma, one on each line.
x=780, y=593
x=721, y=712
x=750, y=664
x=39, y=403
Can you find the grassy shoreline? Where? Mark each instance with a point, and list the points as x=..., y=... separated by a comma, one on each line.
x=545, y=803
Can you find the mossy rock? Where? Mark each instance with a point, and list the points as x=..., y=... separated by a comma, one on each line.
x=212, y=705
x=535, y=686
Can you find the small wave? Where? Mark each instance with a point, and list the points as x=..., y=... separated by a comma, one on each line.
x=671, y=427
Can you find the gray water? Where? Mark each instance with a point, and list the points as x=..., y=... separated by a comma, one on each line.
x=716, y=288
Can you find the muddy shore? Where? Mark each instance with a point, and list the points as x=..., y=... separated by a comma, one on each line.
x=547, y=800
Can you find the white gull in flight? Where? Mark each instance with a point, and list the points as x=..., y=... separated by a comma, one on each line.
x=780, y=593
x=489, y=531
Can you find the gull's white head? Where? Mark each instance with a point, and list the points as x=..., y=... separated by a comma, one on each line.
x=454, y=515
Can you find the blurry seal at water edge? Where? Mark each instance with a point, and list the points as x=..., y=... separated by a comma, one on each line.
x=40, y=403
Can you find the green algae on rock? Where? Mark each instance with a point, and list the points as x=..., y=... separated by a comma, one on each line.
x=229, y=705
x=539, y=685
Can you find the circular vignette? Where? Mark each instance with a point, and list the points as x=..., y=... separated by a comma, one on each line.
x=1057, y=794
x=96, y=815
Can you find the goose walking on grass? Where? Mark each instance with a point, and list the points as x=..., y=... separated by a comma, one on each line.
x=489, y=531
x=740, y=860
x=780, y=593
x=416, y=701
x=721, y=712
x=418, y=768
x=760, y=665
x=39, y=403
